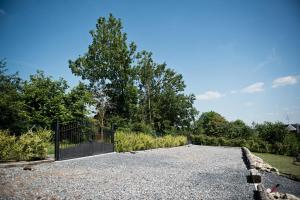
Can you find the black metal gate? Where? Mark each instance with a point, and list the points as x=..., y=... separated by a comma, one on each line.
x=75, y=140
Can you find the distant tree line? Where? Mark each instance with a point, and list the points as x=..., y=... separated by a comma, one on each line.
x=213, y=129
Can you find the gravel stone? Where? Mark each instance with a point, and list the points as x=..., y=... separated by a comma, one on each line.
x=188, y=172
x=286, y=185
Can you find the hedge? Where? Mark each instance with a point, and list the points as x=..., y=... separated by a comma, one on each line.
x=29, y=146
x=130, y=141
x=290, y=146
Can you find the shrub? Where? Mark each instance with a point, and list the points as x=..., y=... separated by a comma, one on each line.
x=125, y=141
x=33, y=145
x=7, y=143
x=29, y=146
x=290, y=145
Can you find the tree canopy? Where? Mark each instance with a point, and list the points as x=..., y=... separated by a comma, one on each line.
x=135, y=87
x=11, y=103
x=39, y=101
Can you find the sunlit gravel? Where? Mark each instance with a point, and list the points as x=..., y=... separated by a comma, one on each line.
x=285, y=185
x=188, y=172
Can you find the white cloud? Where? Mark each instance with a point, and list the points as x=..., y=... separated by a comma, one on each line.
x=233, y=92
x=283, y=81
x=256, y=87
x=209, y=95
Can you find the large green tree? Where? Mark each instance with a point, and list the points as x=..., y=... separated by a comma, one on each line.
x=271, y=132
x=213, y=123
x=238, y=129
x=145, y=71
x=46, y=101
x=130, y=87
x=108, y=64
x=162, y=100
x=12, y=112
x=78, y=101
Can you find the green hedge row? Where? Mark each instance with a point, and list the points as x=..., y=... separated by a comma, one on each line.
x=130, y=141
x=289, y=146
x=29, y=146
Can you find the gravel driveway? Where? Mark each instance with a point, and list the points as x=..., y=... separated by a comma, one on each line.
x=286, y=185
x=188, y=172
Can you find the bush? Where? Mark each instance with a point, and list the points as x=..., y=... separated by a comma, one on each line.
x=290, y=145
x=219, y=141
x=33, y=145
x=7, y=143
x=29, y=146
x=125, y=141
x=272, y=132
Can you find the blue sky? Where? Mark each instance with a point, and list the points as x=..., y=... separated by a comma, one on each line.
x=240, y=58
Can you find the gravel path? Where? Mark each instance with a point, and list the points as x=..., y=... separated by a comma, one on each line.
x=195, y=172
x=286, y=185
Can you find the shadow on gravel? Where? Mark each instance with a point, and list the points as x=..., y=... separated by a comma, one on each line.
x=256, y=194
x=245, y=160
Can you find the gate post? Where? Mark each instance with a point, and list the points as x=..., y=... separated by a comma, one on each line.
x=57, y=141
x=113, y=129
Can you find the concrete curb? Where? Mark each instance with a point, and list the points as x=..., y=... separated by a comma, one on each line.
x=250, y=161
x=255, y=177
x=25, y=163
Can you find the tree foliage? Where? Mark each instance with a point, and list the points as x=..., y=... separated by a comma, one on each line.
x=39, y=101
x=212, y=123
x=45, y=100
x=134, y=87
x=107, y=64
x=271, y=132
x=238, y=129
x=11, y=103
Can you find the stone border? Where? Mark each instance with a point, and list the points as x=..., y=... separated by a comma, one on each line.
x=253, y=162
x=25, y=163
x=260, y=192
x=249, y=160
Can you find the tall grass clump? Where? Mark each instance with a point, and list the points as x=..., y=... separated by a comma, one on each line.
x=131, y=141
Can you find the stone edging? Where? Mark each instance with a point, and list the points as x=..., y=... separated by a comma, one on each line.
x=253, y=163
x=25, y=163
x=260, y=193
x=249, y=160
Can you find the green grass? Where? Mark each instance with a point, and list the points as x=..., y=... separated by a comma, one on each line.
x=283, y=163
x=51, y=149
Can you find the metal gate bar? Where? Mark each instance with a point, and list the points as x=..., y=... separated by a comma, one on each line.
x=75, y=140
